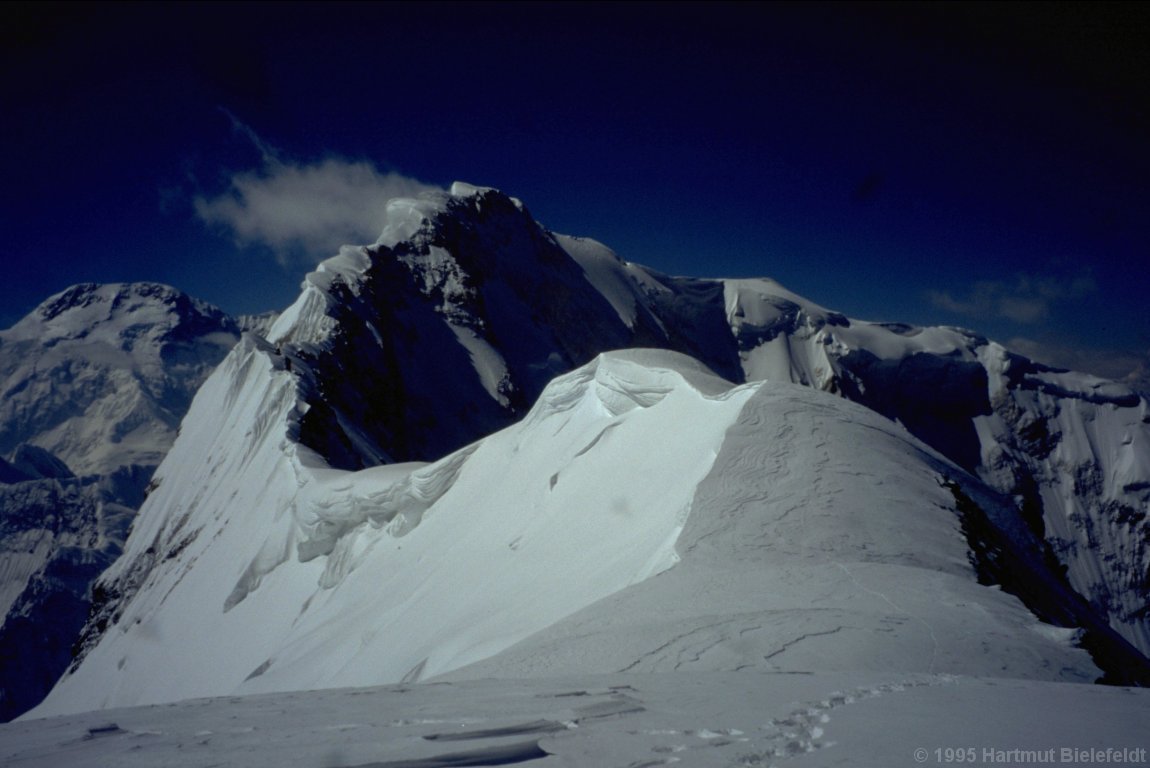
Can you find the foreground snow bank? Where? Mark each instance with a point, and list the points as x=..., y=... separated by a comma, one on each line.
x=697, y=719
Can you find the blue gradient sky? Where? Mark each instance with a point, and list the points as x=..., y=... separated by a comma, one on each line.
x=983, y=166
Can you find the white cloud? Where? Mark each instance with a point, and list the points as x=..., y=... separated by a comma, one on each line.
x=306, y=211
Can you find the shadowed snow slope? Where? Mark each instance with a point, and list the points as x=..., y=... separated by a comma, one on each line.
x=796, y=552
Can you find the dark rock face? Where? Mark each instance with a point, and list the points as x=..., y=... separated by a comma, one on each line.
x=935, y=397
x=67, y=532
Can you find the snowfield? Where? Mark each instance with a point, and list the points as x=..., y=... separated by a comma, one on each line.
x=645, y=515
x=487, y=495
x=721, y=719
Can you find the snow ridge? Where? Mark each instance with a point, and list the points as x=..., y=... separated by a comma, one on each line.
x=433, y=414
x=316, y=537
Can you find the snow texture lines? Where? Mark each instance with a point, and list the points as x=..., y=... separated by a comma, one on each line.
x=899, y=609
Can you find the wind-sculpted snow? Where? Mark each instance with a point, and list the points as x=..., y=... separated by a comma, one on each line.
x=822, y=538
x=709, y=720
x=477, y=551
x=393, y=498
x=774, y=545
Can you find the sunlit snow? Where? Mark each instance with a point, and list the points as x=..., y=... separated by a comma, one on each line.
x=458, y=467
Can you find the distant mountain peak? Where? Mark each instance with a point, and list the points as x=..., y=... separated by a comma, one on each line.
x=116, y=297
x=100, y=374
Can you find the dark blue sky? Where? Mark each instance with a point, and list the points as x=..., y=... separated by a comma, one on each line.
x=977, y=165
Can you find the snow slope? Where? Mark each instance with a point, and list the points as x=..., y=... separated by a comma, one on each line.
x=721, y=719
x=624, y=467
x=472, y=534
x=426, y=466
x=822, y=538
x=94, y=383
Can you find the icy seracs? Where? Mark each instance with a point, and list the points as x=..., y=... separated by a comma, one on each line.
x=427, y=465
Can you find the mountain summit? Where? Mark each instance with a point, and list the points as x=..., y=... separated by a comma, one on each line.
x=100, y=375
x=477, y=442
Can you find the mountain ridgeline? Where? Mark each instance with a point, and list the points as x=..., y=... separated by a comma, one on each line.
x=451, y=325
x=396, y=401
x=463, y=323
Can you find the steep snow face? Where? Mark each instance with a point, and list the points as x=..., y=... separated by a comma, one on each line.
x=638, y=476
x=478, y=550
x=1074, y=450
x=233, y=468
x=100, y=375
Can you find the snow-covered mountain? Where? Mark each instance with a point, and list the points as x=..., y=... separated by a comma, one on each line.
x=719, y=514
x=429, y=469
x=101, y=375
x=471, y=276
x=94, y=384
